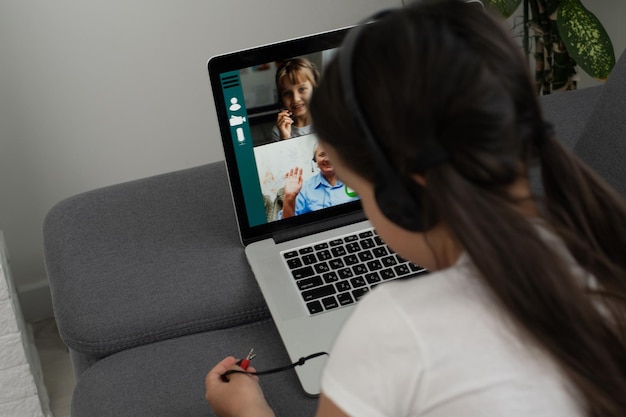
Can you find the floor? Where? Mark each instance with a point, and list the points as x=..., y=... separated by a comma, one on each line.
x=57, y=368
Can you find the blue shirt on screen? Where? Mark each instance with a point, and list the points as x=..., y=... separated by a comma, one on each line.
x=317, y=193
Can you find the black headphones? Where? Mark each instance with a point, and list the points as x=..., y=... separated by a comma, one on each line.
x=399, y=199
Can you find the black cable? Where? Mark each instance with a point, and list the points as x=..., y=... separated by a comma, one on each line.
x=300, y=362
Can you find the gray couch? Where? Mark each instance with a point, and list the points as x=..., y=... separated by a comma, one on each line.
x=151, y=287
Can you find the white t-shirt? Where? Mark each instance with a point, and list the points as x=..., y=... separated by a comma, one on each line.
x=439, y=346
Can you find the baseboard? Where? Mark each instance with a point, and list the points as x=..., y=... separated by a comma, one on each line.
x=36, y=301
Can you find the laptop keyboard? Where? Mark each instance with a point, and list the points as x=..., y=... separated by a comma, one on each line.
x=335, y=273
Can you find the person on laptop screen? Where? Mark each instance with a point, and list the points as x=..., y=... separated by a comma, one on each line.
x=322, y=190
x=523, y=313
x=295, y=80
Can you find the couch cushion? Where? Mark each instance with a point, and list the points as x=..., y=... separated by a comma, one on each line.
x=166, y=379
x=146, y=260
x=569, y=111
x=602, y=143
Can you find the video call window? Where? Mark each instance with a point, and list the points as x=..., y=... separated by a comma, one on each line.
x=294, y=173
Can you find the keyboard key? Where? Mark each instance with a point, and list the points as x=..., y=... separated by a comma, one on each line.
x=345, y=273
x=402, y=269
x=305, y=272
x=365, y=256
x=314, y=307
x=321, y=268
x=291, y=254
x=367, y=243
x=368, y=233
x=387, y=274
x=357, y=282
x=374, y=265
x=345, y=299
x=304, y=251
x=359, y=292
x=351, y=259
x=308, y=283
x=380, y=251
x=320, y=246
x=319, y=292
x=330, y=277
x=350, y=238
x=359, y=269
x=324, y=255
x=389, y=261
x=336, y=263
x=338, y=251
x=336, y=242
x=330, y=303
x=294, y=263
x=309, y=259
x=372, y=278
x=343, y=286
x=353, y=247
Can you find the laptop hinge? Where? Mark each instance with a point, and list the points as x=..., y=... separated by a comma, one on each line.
x=320, y=226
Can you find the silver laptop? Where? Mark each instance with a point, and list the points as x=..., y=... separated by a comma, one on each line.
x=315, y=266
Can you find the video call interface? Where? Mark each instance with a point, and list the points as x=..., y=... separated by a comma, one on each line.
x=271, y=129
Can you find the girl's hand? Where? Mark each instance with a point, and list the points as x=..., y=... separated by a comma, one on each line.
x=283, y=123
x=241, y=396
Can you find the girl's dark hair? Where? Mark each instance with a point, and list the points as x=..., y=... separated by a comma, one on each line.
x=448, y=72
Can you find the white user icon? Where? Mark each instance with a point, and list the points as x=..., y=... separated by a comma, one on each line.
x=234, y=105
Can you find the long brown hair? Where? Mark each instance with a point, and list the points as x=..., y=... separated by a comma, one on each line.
x=448, y=72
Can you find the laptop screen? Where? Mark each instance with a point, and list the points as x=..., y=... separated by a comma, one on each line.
x=280, y=176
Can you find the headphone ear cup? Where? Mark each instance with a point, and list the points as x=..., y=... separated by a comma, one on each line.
x=398, y=206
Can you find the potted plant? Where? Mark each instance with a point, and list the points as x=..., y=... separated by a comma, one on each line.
x=561, y=34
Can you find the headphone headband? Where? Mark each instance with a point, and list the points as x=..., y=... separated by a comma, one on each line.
x=399, y=199
x=349, y=93
x=432, y=154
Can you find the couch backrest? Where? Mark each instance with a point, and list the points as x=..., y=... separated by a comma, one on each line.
x=602, y=143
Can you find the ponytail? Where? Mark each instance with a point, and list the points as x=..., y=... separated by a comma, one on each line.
x=582, y=327
x=579, y=201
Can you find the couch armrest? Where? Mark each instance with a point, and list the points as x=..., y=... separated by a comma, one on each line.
x=148, y=260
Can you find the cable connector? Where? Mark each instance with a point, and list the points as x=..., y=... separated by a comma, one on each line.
x=251, y=355
x=245, y=362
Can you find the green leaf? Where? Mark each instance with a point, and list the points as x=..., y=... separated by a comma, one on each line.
x=585, y=39
x=506, y=7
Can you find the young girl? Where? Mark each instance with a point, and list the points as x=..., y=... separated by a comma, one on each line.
x=524, y=311
x=295, y=81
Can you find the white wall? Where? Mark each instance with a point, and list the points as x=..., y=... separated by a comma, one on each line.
x=99, y=92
